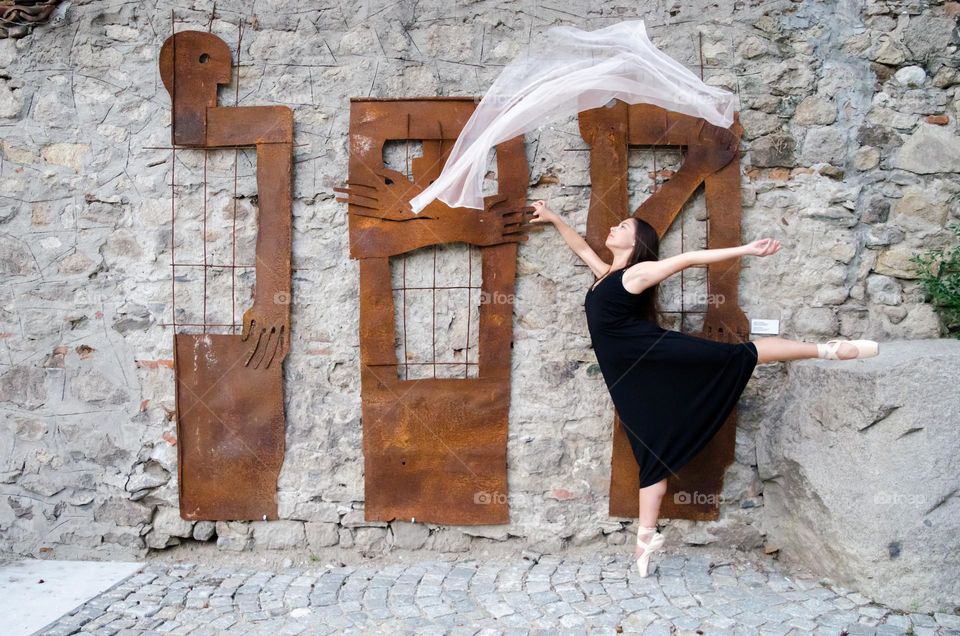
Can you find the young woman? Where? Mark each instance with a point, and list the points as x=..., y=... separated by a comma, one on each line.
x=672, y=391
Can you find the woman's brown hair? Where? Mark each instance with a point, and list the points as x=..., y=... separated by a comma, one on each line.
x=647, y=248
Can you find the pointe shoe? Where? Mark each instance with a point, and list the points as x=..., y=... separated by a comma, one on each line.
x=865, y=349
x=653, y=543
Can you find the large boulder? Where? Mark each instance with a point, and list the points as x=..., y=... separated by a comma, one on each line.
x=860, y=471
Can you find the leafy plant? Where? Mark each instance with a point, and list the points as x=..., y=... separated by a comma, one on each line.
x=940, y=278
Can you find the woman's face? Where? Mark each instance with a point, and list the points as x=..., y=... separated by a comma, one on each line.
x=622, y=235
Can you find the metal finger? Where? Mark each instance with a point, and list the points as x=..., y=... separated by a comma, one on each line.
x=361, y=204
x=525, y=213
x=266, y=346
x=357, y=184
x=354, y=194
x=524, y=227
x=247, y=328
x=254, y=350
x=277, y=348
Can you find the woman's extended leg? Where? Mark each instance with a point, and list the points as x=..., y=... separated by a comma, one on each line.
x=774, y=349
x=650, y=498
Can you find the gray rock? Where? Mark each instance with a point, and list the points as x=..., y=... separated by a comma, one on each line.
x=757, y=123
x=882, y=137
x=446, y=540
x=929, y=150
x=23, y=386
x=369, y=540
x=824, y=144
x=920, y=211
x=946, y=76
x=866, y=158
x=911, y=76
x=880, y=235
x=409, y=536
x=93, y=387
x=204, y=530
x=278, y=535
x=815, y=111
x=147, y=475
x=876, y=210
x=895, y=261
x=234, y=536
x=883, y=290
x=10, y=101
x=841, y=476
x=15, y=258
x=346, y=537
x=132, y=317
x=168, y=521
x=321, y=534
x=355, y=519
x=123, y=512
x=811, y=321
x=307, y=510
x=773, y=151
x=923, y=102
x=927, y=36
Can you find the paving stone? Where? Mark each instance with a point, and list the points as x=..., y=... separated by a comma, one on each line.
x=585, y=595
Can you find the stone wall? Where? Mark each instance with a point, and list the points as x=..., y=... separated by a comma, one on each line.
x=851, y=159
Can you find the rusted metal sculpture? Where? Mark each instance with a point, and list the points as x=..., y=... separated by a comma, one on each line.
x=17, y=19
x=434, y=449
x=609, y=132
x=229, y=388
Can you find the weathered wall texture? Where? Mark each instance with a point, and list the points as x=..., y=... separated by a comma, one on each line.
x=851, y=159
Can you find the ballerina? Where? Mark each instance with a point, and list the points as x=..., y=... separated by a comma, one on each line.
x=672, y=390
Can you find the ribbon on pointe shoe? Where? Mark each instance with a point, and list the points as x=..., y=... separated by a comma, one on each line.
x=865, y=349
x=829, y=350
x=650, y=546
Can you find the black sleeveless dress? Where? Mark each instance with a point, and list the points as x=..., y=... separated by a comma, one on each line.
x=672, y=390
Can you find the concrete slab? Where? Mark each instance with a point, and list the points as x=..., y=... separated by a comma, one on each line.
x=35, y=593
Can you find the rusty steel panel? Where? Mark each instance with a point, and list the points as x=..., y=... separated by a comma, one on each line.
x=230, y=430
x=229, y=387
x=712, y=159
x=434, y=449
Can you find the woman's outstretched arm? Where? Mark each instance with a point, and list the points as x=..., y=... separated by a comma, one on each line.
x=705, y=257
x=577, y=243
x=760, y=247
x=648, y=273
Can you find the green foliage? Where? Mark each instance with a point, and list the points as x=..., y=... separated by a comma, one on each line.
x=940, y=278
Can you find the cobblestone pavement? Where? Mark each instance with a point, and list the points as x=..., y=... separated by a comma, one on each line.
x=595, y=593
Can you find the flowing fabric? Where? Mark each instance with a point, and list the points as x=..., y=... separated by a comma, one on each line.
x=566, y=71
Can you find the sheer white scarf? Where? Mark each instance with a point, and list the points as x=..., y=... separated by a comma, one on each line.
x=567, y=71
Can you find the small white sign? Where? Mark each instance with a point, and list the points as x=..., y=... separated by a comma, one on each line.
x=760, y=325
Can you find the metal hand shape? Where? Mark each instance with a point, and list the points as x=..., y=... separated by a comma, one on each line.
x=389, y=199
x=268, y=328
x=493, y=226
x=715, y=147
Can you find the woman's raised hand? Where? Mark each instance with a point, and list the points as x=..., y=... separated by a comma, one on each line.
x=763, y=247
x=541, y=213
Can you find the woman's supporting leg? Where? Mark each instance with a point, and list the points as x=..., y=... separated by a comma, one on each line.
x=650, y=498
x=774, y=349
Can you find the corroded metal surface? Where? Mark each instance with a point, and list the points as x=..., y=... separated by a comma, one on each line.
x=17, y=19
x=229, y=388
x=434, y=449
x=712, y=159
x=230, y=430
